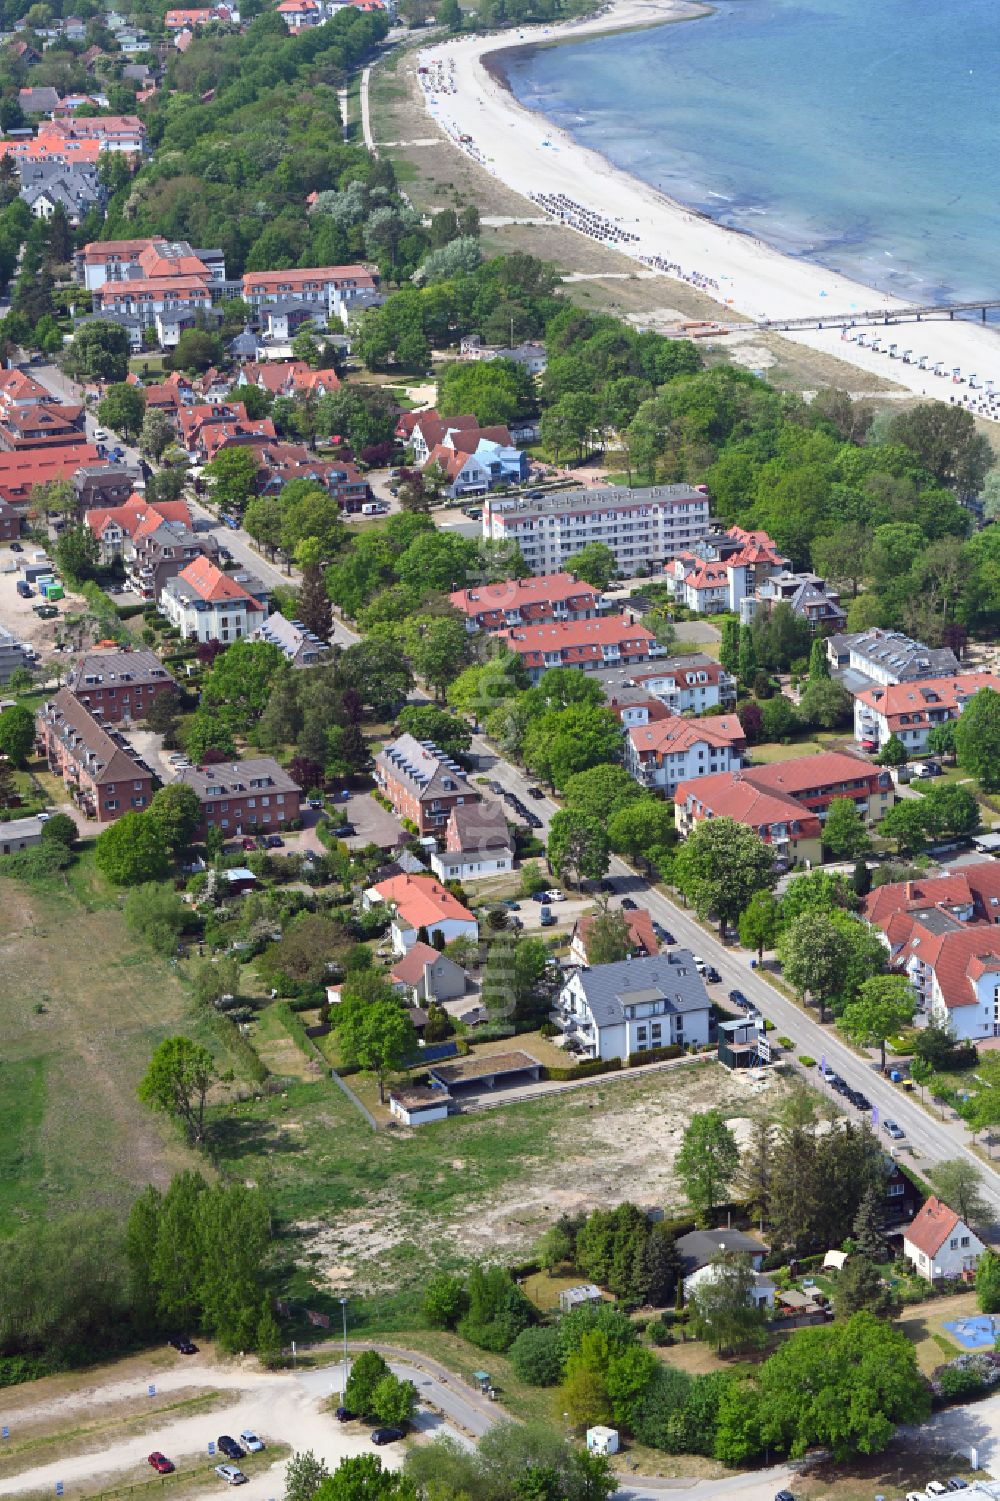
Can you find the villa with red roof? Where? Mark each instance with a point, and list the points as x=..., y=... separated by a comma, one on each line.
x=422, y=902
x=332, y=288
x=118, y=527
x=208, y=605
x=719, y=573
x=664, y=752
x=530, y=601
x=608, y=641
x=787, y=803
x=910, y=710
x=940, y=1244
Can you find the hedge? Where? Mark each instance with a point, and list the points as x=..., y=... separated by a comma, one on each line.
x=128, y=612
x=656, y=1055
x=585, y=1070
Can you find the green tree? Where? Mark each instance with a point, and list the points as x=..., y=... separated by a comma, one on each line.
x=814, y=958
x=362, y=1478
x=601, y=791
x=100, y=351
x=132, y=850
x=562, y=742
x=959, y=1184
x=123, y=409
x=906, y=825
x=17, y=734
x=314, y=609
x=375, y=1030
x=438, y=647
x=844, y=832
x=427, y=722
x=497, y=391
x=196, y=350
x=367, y=1370
x=861, y=879
x=535, y=1356
x=819, y=662
x=233, y=476
x=825, y=704
x=941, y=738
x=893, y=752
x=760, y=923
x=157, y=434
x=862, y=1288
x=176, y=811
x=707, y=1162
x=578, y=847
x=608, y=937
x=643, y=830
x=595, y=564
x=78, y=553
x=177, y=1081
x=721, y=866
x=444, y=1300
x=60, y=829
x=393, y=1401
x=729, y=651
x=988, y=1282
x=884, y=1005
x=241, y=682
x=158, y=914
x=722, y=1307
x=304, y=1474
x=950, y=809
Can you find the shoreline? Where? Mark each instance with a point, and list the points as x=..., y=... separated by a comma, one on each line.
x=467, y=96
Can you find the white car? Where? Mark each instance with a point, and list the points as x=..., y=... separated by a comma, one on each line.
x=699, y=963
x=937, y=1488
x=250, y=1441
x=554, y=896
x=100, y=434
x=231, y=1474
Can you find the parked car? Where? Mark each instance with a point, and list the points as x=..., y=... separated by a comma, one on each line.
x=892, y=1129
x=956, y=1483
x=510, y=904
x=16, y=547
x=554, y=895
x=231, y=1474
x=628, y=905
x=386, y=1435
x=100, y=435
x=228, y=1446
x=249, y=844
x=250, y=1441
x=275, y=842
x=161, y=1464
x=182, y=1345
x=936, y=1488
x=533, y=821
x=345, y=830
x=495, y=788
x=535, y=792
x=711, y=975
x=344, y=1415
x=739, y=999
x=547, y=917
x=784, y=1496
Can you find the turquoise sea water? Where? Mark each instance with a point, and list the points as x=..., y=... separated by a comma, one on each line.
x=862, y=134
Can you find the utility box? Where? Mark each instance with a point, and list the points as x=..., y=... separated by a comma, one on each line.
x=602, y=1440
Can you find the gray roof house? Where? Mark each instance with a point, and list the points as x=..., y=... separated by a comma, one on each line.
x=73, y=186
x=698, y=1248
x=888, y=657
x=300, y=646
x=617, y=1010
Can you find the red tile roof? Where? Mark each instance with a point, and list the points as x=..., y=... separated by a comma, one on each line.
x=933, y=1224
x=521, y=594
x=726, y=794
x=410, y=969
x=583, y=640
x=916, y=700
x=208, y=580
x=977, y=886
x=957, y=957
x=640, y=929
x=422, y=901
x=676, y=733
x=805, y=774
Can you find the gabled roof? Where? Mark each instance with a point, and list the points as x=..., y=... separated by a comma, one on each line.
x=103, y=753
x=804, y=774
x=424, y=769
x=930, y=694
x=208, y=581
x=478, y=827
x=421, y=901
x=409, y=970
x=728, y=794
x=932, y=1226
x=116, y=668
x=671, y=977
x=675, y=734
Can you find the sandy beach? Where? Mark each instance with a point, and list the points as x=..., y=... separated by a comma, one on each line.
x=746, y=277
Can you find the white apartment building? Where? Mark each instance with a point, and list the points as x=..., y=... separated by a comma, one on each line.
x=664, y=753
x=642, y=528
x=689, y=685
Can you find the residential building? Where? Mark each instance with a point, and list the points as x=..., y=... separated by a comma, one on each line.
x=698, y=1248
x=209, y=605
x=632, y=707
x=428, y=430
x=477, y=843
x=21, y=472
x=530, y=354
x=20, y=834
x=336, y=290
x=949, y=950
x=721, y=569
x=617, y=1010
x=103, y=775
x=160, y=554
x=807, y=595
x=760, y=1294
x=425, y=976
x=14, y=655
x=23, y=429
x=910, y=710
x=73, y=187
x=969, y=895
x=10, y=522
x=287, y=377
x=152, y=297
x=106, y=485
x=255, y=796
x=607, y=640
x=421, y=902
x=299, y=646
x=673, y=750
x=888, y=658
x=641, y=527
x=689, y=685
x=643, y=941
x=190, y=20
x=531, y=601
x=43, y=100
x=119, y=686
x=422, y=783
x=941, y=1246
x=118, y=528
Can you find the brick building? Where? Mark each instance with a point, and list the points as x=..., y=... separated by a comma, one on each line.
x=104, y=776
x=243, y=797
x=422, y=783
x=119, y=686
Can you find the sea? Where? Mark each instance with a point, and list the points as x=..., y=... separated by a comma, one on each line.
x=860, y=134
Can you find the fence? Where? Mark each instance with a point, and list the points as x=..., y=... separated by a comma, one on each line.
x=354, y=1099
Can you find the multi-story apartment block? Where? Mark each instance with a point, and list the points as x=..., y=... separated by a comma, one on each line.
x=609, y=641
x=666, y=752
x=689, y=685
x=642, y=528
x=722, y=569
x=209, y=605
x=422, y=783
x=161, y=555
x=334, y=289
x=889, y=657
x=807, y=595
x=911, y=710
x=119, y=686
x=515, y=602
x=240, y=797
x=104, y=776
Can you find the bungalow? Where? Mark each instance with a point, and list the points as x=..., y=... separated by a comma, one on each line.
x=760, y=1294
x=941, y=1245
x=698, y=1248
x=617, y=1010
x=421, y=902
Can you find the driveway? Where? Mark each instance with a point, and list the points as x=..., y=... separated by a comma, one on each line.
x=373, y=824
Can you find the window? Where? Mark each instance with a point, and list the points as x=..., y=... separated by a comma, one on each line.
x=896, y=1190
x=111, y=802
x=953, y=1243
x=965, y=1240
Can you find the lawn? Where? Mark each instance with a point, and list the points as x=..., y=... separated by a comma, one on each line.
x=81, y=1006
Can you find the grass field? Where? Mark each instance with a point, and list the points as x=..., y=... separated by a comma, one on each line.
x=81, y=1007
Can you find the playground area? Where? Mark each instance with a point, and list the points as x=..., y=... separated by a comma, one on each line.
x=977, y=1333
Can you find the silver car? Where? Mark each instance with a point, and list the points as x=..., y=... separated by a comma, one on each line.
x=231, y=1474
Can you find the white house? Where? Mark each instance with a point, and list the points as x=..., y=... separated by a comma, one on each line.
x=760, y=1295
x=954, y=968
x=423, y=975
x=940, y=1245
x=689, y=685
x=911, y=710
x=615, y=1010
x=669, y=751
x=209, y=605
x=417, y=1104
x=422, y=902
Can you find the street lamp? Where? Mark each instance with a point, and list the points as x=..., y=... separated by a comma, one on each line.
x=343, y=1390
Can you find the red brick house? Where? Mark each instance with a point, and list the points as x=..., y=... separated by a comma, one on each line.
x=422, y=783
x=119, y=686
x=240, y=797
x=104, y=776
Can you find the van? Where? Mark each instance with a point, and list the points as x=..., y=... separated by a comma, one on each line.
x=24, y=588
x=374, y=508
x=547, y=917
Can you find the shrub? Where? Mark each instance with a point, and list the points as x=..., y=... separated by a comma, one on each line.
x=535, y=1356
x=787, y=1042
x=656, y=1055
x=806, y=1061
x=584, y=1070
x=658, y=1333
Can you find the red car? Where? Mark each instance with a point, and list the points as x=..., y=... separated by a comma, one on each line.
x=161, y=1464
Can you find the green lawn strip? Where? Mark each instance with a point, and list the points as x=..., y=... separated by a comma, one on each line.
x=118, y=1426
x=22, y=1108
x=177, y=1485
